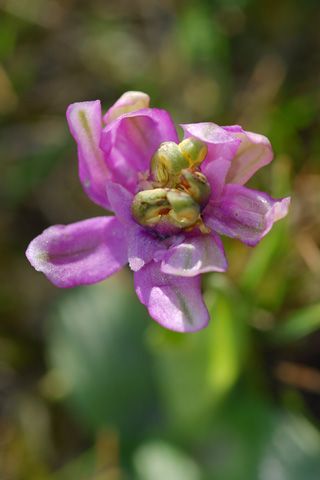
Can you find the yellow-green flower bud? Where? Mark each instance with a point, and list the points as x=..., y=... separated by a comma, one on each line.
x=194, y=150
x=196, y=184
x=175, y=191
x=149, y=205
x=184, y=209
x=167, y=161
x=165, y=205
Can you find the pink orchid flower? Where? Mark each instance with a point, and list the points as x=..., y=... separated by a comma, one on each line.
x=170, y=200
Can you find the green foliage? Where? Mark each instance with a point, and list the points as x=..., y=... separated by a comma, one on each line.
x=96, y=348
x=298, y=324
x=156, y=460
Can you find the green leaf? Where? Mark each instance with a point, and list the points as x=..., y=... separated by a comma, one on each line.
x=26, y=175
x=293, y=452
x=227, y=337
x=158, y=460
x=81, y=468
x=262, y=257
x=195, y=372
x=252, y=440
x=96, y=347
x=298, y=324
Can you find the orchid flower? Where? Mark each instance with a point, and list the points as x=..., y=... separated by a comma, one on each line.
x=170, y=200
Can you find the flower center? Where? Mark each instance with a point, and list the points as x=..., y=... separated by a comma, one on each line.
x=173, y=193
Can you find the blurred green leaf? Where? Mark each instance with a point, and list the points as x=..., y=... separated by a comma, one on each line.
x=253, y=440
x=294, y=115
x=81, y=468
x=235, y=445
x=8, y=35
x=227, y=339
x=298, y=324
x=26, y=175
x=158, y=460
x=196, y=371
x=293, y=452
x=262, y=257
x=200, y=37
x=182, y=377
x=96, y=345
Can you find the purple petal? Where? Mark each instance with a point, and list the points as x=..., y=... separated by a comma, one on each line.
x=222, y=147
x=120, y=200
x=221, y=143
x=215, y=173
x=175, y=302
x=130, y=141
x=245, y=214
x=84, y=120
x=143, y=246
x=253, y=153
x=128, y=102
x=200, y=254
x=169, y=242
x=81, y=253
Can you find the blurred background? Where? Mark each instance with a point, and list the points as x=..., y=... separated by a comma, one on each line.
x=90, y=387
